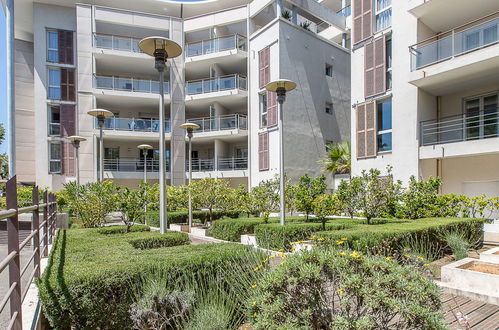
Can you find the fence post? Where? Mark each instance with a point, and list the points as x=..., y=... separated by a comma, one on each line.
x=15, y=264
x=36, y=228
x=45, y=225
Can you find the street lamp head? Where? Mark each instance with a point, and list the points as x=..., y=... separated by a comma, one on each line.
x=189, y=127
x=76, y=139
x=161, y=48
x=281, y=87
x=100, y=114
x=144, y=147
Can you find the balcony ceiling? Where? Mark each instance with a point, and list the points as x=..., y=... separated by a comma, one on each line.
x=444, y=15
x=128, y=66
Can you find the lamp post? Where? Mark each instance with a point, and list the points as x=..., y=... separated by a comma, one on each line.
x=75, y=139
x=161, y=49
x=190, y=127
x=280, y=87
x=144, y=148
x=101, y=114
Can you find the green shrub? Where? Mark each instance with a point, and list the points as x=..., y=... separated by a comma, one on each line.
x=156, y=240
x=459, y=245
x=328, y=289
x=183, y=216
x=231, y=230
x=122, y=229
x=90, y=279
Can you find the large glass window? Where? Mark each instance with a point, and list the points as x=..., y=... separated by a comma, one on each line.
x=384, y=125
x=55, y=157
x=52, y=46
x=482, y=116
x=263, y=109
x=383, y=14
x=54, y=90
x=54, y=120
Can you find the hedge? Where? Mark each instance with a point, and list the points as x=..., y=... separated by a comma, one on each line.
x=156, y=240
x=90, y=278
x=183, y=216
x=110, y=230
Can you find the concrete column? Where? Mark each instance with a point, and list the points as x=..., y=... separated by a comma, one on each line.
x=219, y=109
x=11, y=107
x=177, y=109
x=294, y=14
x=221, y=151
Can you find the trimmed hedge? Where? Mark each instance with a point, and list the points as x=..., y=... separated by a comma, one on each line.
x=90, y=279
x=156, y=240
x=231, y=230
x=183, y=216
x=111, y=230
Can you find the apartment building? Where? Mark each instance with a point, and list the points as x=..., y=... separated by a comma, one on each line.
x=425, y=83
x=74, y=56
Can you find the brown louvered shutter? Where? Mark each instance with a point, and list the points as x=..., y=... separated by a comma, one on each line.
x=61, y=45
x=68, y=47
x=264, y=66
x=369, y=69
x=68, y=84
x=380, y=65
x=68, y=128
x=362, y=20
x=361, y=130
x=271, y=109
x=357, y=20
x=370, y=129
x=263, y=151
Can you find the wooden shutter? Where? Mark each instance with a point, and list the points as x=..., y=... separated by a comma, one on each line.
x=263, y=151
x=68, y=128
x=379, y=65
x=68, y=84
x=271, y=109
x=369, y=69
x=362, y=20
x=264, y=66
x=366, y=130
x=65, y=46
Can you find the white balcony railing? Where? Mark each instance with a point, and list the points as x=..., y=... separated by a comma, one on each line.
x=215, y=45
x=467, y=38
x=210, y=124
x=216, y=84
x=229, y=164
x=108, y=41
x=465, y=127
x=129, y=84
x=133, y=124
x=131, y=165
x=198, y=165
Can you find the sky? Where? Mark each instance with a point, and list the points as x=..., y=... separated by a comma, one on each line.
x=3, y=79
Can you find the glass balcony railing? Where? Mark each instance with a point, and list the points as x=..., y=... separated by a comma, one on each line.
x=131, y=165
x=474, y=126
x=152, y=165
x=467, y=38
x=113, y=42
x=216, y=84
x=345, y=11
x=129, y=84
x=133, y=124
x=230, y=164
x=221, y=123
x=215, y=45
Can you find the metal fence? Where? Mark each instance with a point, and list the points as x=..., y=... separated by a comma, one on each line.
x=216, y=84
x=214, y=45
x=40, y=245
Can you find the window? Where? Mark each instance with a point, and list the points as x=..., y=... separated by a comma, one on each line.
x=329, y=70
x=263, y=109
x=52, y=46
x=329, y=108
x=263, y=151
x=54, y=120
x=384, y=125
x=388, y=62
x=111, y=159
x=55, y=157
x=383, y=14
x=482, y=117
x=54, y=91
x=264, y=67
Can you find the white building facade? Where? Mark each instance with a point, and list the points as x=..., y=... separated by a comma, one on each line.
x=72, y=57
x=425, y=82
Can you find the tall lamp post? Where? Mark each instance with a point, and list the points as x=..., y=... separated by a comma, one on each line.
x=280, y=87
x=190, y=127
x=75, y=139
x=101, y=114
x=145, y=148
x=161, y=49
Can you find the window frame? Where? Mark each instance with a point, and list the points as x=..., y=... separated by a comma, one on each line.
x=379, y=133
x=388, y=62
x=51, y=87
x=262, y=100
x=56, y=49
x=55, y=160
x=50, y=121
x=379, y=12
x=328, y=67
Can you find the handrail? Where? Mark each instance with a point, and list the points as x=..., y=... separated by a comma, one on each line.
x=215, y=45
x=216, y=84
x=134, y=124
x=134, y=84
x=220, y=37
x=219, y=77
x=220, y=123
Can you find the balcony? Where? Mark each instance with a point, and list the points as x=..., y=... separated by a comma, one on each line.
x=108, y=41
x=466, y=127
x=129, y=84
x=133, y=124
x=232, y=164
x=459, y=41
x=217, y=84
x=229, y=122
x=131, y=165
x=215, y=45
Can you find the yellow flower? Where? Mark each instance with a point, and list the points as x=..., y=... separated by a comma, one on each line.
x=320, y=239
x=254, y=303
x=357, y=241
x=388, y=258
x=343, y=238
x=420, y=258
x=407, y=256
x=355, y=255
x=311, y=237
x=339, y=242
x=256, y=269
x=281, y=250
x=343, y=254
x=272, y=256
x=426, y=265
x=340, y=291
x=253, y=286
x=254, y=314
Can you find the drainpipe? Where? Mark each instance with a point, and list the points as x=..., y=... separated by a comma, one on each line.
x=11, y=106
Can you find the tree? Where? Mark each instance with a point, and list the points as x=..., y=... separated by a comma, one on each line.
x=266, y=197
x=131, y=204
x=374, y=193
x=348, y=194
x=307, y=191
x=419, y=198
x=210, y=193
x=326, y=205
x=338, y=159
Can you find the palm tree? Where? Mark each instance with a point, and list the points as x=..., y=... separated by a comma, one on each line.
x=337, y=159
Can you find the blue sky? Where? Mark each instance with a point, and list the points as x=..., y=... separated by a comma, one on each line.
x=3, y=78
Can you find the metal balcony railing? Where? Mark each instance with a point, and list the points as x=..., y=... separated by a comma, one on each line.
x=131, y=165
x=129, y=84
x=210, y=124
x=201, y=165
x=461, y=40
x=108, y=41
x=227, y=164
x=133, y=124
x=464, y=127
x=216, y=84
x=198, y=165
x=215, y=45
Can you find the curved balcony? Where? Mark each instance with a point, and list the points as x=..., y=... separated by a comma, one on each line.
x=215, y=45
x=133, y=124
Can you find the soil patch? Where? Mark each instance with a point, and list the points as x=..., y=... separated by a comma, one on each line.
x=482, y=267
